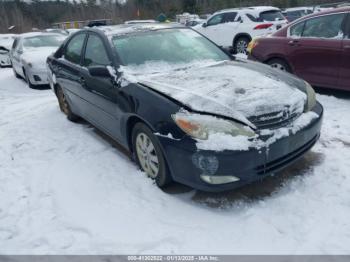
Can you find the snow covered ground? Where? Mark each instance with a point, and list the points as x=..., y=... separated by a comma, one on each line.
x=66, y=189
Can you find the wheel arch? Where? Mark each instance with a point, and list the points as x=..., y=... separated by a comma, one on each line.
x=130, y=124
x=239, y=35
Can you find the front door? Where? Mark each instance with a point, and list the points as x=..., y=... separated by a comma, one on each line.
x=316, y=53
x=101, y=92
x=221, y=28
x=211, y=29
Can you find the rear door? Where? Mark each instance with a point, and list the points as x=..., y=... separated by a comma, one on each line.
x=102, y=93
x=344, y=74
x=230, y=28
x=315, y=49
x=68, y=73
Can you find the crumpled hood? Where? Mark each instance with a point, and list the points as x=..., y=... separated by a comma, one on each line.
x=238, y=89
x=6, y=44
x=38, y=56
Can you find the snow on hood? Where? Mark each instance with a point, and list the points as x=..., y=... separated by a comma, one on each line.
x=235, y=89
x=38, y=56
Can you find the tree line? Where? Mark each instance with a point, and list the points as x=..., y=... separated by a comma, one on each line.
x=26, y=15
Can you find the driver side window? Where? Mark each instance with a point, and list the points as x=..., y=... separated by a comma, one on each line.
x=218, y=19
x=297, y=30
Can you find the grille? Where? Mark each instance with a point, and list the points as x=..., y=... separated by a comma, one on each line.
x=274, y=120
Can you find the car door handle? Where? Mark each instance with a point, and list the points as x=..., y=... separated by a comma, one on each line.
x=347, y=47
x=294, y=43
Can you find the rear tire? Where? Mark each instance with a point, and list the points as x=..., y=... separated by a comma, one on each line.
x=149, y=156
x=279, y=64
x=28, y=80
x=240, y=45
x=64, y=106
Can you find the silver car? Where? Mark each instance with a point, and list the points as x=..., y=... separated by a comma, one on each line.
x=6, y=41
x=29, y=53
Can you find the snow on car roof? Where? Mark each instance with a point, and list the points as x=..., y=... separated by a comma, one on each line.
x=7, y=35
x=298, y=8
x=252, y=9
x=325, y=12
x=140, y=21
x=132, y=28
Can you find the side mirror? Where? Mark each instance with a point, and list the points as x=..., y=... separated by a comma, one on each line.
x=99, y=71
x=204, y=25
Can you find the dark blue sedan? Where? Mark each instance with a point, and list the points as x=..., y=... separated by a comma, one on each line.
x=187, y=111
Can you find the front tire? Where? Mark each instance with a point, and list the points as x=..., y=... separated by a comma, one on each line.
x=240, y=45
x=64, y=106
x=149, y=156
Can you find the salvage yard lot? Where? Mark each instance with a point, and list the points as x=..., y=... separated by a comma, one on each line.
x=66, y=189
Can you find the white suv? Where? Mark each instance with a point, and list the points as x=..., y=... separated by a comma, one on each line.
x=235, y=28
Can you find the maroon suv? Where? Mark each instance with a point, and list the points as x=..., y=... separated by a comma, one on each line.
x=315, y=47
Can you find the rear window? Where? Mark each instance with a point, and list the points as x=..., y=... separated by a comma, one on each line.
x=267, y=16
x=270, y=16
x=74, y=48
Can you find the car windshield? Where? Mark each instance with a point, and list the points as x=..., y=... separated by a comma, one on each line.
x=273, y=15
x=43, y=41
x=169, y=45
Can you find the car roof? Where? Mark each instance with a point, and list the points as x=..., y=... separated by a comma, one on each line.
x=125, y=29
x=331, y=11
x=301, y=8
x=251, y=9
x=33, y=34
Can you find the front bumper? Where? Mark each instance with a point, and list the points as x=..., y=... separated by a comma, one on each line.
x=38, y=76
x=183, y=158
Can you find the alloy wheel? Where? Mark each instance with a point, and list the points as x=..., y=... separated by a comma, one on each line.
x=147, y=155
x=278, y=66
x=241, y=47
